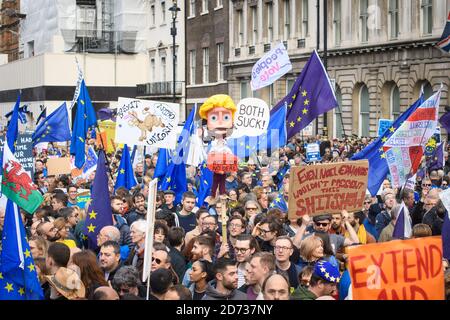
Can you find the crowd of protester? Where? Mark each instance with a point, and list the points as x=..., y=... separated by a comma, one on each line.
x=266, y=256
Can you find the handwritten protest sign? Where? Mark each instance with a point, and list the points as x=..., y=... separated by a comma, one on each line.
x=24, y=151
x=251, y=118
x=145, y=122
x=272, y=66
x=397, y=270
x=327, y=188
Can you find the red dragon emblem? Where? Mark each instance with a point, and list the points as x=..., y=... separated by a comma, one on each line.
x=17, y=179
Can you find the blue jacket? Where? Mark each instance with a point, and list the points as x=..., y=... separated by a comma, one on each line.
x=125, y=237
x=382, y=220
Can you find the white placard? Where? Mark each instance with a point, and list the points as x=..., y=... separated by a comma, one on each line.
x=151, y=211
x=251, y=118
x=148, y=123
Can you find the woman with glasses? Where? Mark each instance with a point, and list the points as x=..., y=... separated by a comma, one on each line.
x=64, y=232
x=200, y=274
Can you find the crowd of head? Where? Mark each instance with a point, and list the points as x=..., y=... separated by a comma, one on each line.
x=266, y=256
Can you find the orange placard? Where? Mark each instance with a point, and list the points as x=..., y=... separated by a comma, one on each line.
x=397, y=270
x=327, y=188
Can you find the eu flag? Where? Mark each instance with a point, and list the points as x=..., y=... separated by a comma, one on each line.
x=18, y=276
x=175, y=178
x=205, y=184
x=281, y=173
x=162, y=164
x=85, y=118
x=99, y=213
x=310, y=96
x=378, y=167
x=125, y=176
x=275, y=137
x=13, y=126
x=55, y=127
x=279, y=203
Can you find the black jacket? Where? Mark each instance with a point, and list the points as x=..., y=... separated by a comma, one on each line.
x=178, y=262
x=432, y=219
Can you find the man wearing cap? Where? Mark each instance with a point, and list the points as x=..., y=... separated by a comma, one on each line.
x=169, y=198
x=324, y=281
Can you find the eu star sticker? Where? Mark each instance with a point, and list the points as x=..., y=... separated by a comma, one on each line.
x=91, y=228
x=93, y=215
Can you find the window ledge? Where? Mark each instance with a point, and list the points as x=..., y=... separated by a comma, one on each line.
x=190, y=17
x=218, y=8
x=204, y=13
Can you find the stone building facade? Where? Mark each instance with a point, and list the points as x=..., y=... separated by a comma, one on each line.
x=380, y=53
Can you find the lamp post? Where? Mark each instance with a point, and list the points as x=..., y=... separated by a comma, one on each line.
x=173, y=32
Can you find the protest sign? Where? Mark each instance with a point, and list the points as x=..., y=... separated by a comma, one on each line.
x=397, y=270
x=107, y=133
x=83, y=198
x=145, y=122
x=383, y=125
x=313, y=152
x=57, y=166
x=151, y=211
x=24, y=151
x=272, y=66
x=251, y=118
x=445, y=197
x=308, y=131
x=327, y=188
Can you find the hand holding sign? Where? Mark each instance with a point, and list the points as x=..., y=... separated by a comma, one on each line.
x=251, y=118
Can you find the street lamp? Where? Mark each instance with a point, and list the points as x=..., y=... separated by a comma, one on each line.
x=173, y=32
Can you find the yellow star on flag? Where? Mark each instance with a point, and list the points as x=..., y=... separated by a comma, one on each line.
x=299, y=119
x=294, y=96
x=305, y=111
x=391, y=129
x=91, y=228
x=278, y=199
x=1, y=275
x=304, y=93
x=242, y=144
x=168, y=180
x=306, y=102
x=85, y=116
x=384, y=139
x=122, y=171
x=81, y=139
x=9, y=287
x=82, y=102
x=383, y=156
x=290, y=105
x=93, y=215
x=31, y=267
x=27, y=253
x=292, y=124
x=21, y=291
x=381, y=149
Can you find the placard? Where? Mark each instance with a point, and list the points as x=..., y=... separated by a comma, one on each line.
x=327, y=188
x=251, y=118
x=313, y=152
x=145, y=122
x=23, y=152
x=151, y=212
x=397, y=270
x=57, y=166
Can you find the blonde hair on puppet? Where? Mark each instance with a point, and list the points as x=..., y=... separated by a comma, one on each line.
x=216, y=101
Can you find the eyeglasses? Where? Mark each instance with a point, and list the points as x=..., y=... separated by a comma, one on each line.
x=367, y=202
x=208, y=224
x=280, y=248
x=322, y=224
x=232, y=225
x=158, y=261
x=241, y=250
x=250, y=208
x=264, y=231
x=426, y=185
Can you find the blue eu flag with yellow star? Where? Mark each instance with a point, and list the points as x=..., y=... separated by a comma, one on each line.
x=125, y=175
x=205, y=184
x=54, y=128
x=378, y=167
x=175, y=177
x=85, y=119
x=279, y=203
x=99, y=213
x=18, y=276
x=310, y=96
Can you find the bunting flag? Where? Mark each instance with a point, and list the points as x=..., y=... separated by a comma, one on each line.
x=125, y=176
x=403, y=227
x=54, y=128
x=378, y=167
x=18, y=274
x=405, y=147
x=310, y=96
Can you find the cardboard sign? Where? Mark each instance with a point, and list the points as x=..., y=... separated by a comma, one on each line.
x=147, y=123
x=251, y=118
x=57, y=166
x=23, y=152
x=383, y=125
x=327, y=188
x=397, y=270
x=313, y=152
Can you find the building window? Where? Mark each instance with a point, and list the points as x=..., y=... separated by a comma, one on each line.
x=163, y=69
x=395, y=103
x=204, y=6
x=219, y=4
x=192, y=67
x=244, y=90
x=393, y=18
x=220, y=60
x=192, y=8
x=30, y=45
x=287, y=19
x=254, y=25
x=153, y=13
x=337, y=23
x=427, y=16
x=305, y=29
x=205, y=65
x=289, y=85
x=364, y=112
x=269, y=22
x=163, y=12
x=363, y=18
x=153, y=68
x=240, y=27
x=338, y=115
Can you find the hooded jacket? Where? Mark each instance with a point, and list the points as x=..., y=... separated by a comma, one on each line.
x=212, y=294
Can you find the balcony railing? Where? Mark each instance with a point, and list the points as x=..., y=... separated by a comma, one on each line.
x=159, y=89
